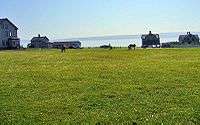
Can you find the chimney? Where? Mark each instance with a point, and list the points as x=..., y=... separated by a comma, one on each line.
x=150, y=32
x=39, y=35
x=188, y=33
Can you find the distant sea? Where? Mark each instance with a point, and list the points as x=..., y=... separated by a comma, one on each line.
x=117, y=41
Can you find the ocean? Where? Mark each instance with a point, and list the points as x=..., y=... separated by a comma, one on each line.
x=124, y=40
x=121, y=42
x=117, y=41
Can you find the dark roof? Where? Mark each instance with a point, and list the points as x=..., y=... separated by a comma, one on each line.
x=6, y=19
x=63, y=42
x=150, y=36
x=39, y=38
x=189, y=36
x=185, y=36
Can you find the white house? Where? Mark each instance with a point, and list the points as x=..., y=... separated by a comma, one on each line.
x=40, y=42
x=8, y=35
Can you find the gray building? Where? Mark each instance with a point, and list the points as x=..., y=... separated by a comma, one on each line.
x=8, y=35
x=67, y=44
x=189, y=39
x=40, y=42
x=150, y=40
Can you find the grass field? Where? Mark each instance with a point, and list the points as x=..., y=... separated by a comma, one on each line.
x=97, y=86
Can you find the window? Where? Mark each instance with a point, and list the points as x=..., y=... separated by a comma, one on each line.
x=193, y=39
x=7, y=33
x=5, y=26
x=143, y=37
x=13, y=34
x=3, y=43
x=1, y=26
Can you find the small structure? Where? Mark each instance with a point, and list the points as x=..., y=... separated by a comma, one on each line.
x=67, y=44
x=8, y=35
x=40, y=42
x=106, y=46
x=174, y=44
x=150, y=40
x=189, y=39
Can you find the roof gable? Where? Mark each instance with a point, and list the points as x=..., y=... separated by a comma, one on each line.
x=40, y=39
x=63, y=42
x=6, y=19
x=182, y=37
x=150, y=36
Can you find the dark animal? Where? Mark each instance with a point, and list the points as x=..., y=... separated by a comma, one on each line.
x=111, y=47
x=63, y=49
x=132, y=46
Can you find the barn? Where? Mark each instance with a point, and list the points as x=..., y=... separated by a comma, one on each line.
x=67, y=44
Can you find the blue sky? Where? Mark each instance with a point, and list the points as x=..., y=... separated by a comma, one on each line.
x=83, y=18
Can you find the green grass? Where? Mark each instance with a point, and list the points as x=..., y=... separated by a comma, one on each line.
x=97, y=86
